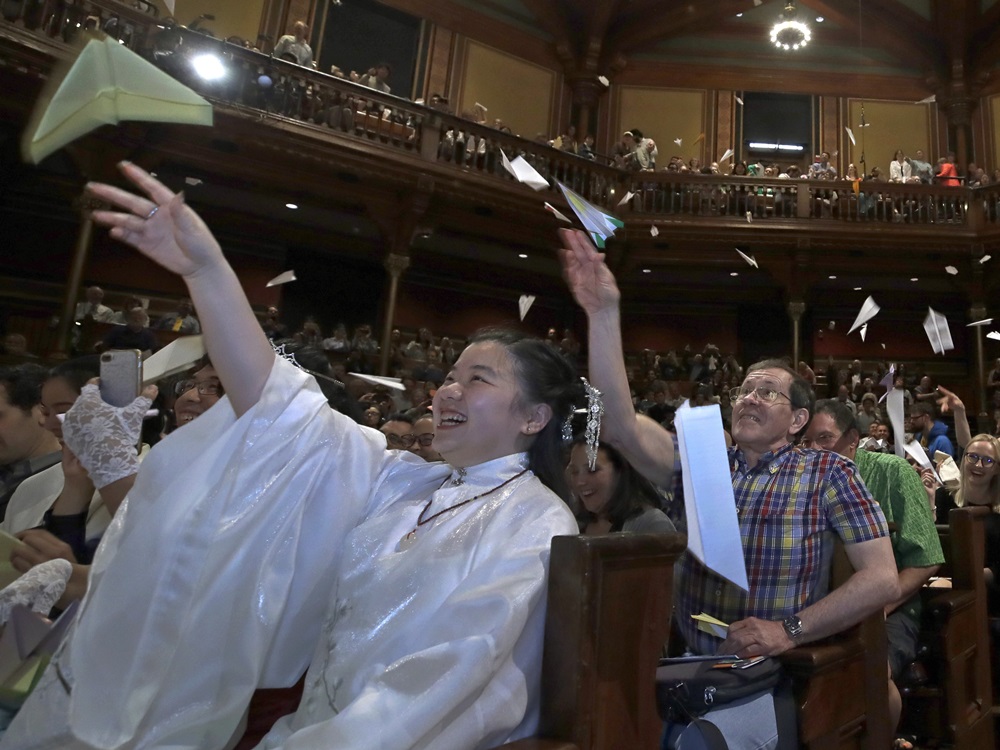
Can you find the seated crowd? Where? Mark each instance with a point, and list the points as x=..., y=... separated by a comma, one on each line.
x=628, y=482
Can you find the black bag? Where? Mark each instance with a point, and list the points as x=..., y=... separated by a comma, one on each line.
x=686, y=690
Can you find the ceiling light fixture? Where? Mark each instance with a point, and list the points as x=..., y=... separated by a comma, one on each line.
x=787, y=33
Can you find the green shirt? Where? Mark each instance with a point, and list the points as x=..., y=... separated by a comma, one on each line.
x=898, y=490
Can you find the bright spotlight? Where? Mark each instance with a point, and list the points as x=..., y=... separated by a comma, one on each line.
x=209, y=67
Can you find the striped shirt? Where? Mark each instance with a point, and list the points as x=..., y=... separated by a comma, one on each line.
x=789, y=505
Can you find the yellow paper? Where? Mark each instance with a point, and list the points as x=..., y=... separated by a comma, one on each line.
x=105, y=85
x=710, y=625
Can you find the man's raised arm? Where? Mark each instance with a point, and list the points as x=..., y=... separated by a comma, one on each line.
x=644, y=443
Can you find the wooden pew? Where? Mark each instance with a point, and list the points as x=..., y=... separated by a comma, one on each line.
x=955, y=707
x=608, y=619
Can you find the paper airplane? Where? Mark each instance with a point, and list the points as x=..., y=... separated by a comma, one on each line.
x=748, y=258
x=192, y=181
x=916, y=450
x=524, y=172
x=896, y=409
x=628, y=196
x=524, y=304
x=679, y=141
x=654, y=232
x=985, y=258
x=177, y=356
x=850, y=134
x=938, y=333
x=864, y=124
x=729, y=152
x=888, y=381
x=993, y=335
x=739, y=101
x=983, y=322
x=601, y=225
x=863, y=331
x=107, y=84
x=282, y=278
x=711, y=625
x=701, y=137
x=557, y=213
x=952, y=270
x=883, y=346
x=394, y=383
x=868, y=311
x=749, y=217
x=928, y=99
x=477, y=105
x=604, y=80
x=832, y=325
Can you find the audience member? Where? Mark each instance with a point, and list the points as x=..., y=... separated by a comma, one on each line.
x=94, y=308
x=931, y=433
x=133, y=335
x=26, y=447
x=181, y=321
x=295, y=47
x=423, y=433
x=272, y=325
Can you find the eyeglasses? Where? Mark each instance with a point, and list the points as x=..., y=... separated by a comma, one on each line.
x=975, y=458
x=426, y=439
x=400, y=441
x=205, y=388
x=764, y=393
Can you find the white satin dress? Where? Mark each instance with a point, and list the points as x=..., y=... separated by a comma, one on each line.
x=248, y=546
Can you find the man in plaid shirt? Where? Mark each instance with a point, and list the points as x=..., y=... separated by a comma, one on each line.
x=790, y=501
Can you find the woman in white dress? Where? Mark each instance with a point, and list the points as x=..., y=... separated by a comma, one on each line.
x=278, y=532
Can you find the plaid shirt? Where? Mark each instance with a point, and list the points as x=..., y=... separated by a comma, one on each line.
x=790, y=504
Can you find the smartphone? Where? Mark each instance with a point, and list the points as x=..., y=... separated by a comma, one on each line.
x=121, y=376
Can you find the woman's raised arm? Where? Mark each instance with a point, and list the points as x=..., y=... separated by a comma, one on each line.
x=161, y=226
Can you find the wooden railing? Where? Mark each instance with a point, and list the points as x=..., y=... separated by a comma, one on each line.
x=281, y=90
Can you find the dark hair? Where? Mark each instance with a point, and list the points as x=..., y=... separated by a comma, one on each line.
x=843, y=417
x=399, y=416
x=545, y=377
x=23, y=384
x=632, y=495
x=636, y=133
x=77, y=371
x=922, y=408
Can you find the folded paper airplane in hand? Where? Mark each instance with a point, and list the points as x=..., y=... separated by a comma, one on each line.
x=105, y=85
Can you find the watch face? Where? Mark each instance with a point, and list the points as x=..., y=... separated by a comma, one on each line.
x=793, y=626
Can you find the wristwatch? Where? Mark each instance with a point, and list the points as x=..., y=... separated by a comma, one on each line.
x=793, y=626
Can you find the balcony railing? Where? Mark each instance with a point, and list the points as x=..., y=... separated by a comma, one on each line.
x=280, y=90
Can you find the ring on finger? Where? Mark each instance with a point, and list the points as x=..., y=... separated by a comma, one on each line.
x=152, y=213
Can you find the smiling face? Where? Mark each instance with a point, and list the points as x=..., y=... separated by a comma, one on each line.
x=824, y=434
x=191, y=404
x=594, y=489
x=759, y=426
x=977, y=476
x=478, y=411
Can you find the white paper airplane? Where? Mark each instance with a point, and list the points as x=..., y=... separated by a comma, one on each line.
x=938, y=333
x=678, y=141
x=728, y=154
x=952, y=270
x=868, y=311
x=601, y=225
x=394, y=383
x=751, y=260
x=628, y=196
x=604, y=80
x=928, y=99
x=993, y=335
x=863, y=331
x=916, y=450
x=888, y=381
x=480, y=106
x=983, y=322
x=985, y=258
x=749, y=217
x=654, y=231
x=524, y=172
x=282, y=278
x=557, y=213
x=850, y=134
x=740, y=101
x=524, y=304
x=192, y=181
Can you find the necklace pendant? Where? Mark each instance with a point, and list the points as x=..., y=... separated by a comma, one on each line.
x=407, y=541
x=460, y=479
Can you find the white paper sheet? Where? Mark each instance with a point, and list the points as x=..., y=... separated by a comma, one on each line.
x=868, y=311
x=895, y=405
x=282, y=278
x=524, y=304
x=709, y=505
x=175, y=357
x=938, y=332
x=916, y=450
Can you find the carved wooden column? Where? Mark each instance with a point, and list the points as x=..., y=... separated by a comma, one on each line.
x=796, y=308
x=586, y=92
x=395, y=265
x=85, y=204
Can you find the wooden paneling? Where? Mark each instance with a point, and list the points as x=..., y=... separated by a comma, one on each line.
x=664, y=115
x=891, y=125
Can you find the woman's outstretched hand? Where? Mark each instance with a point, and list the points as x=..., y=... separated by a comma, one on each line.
x=160, y=225
x=589, y=279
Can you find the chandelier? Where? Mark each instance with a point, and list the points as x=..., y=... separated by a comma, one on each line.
x=789, y=34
